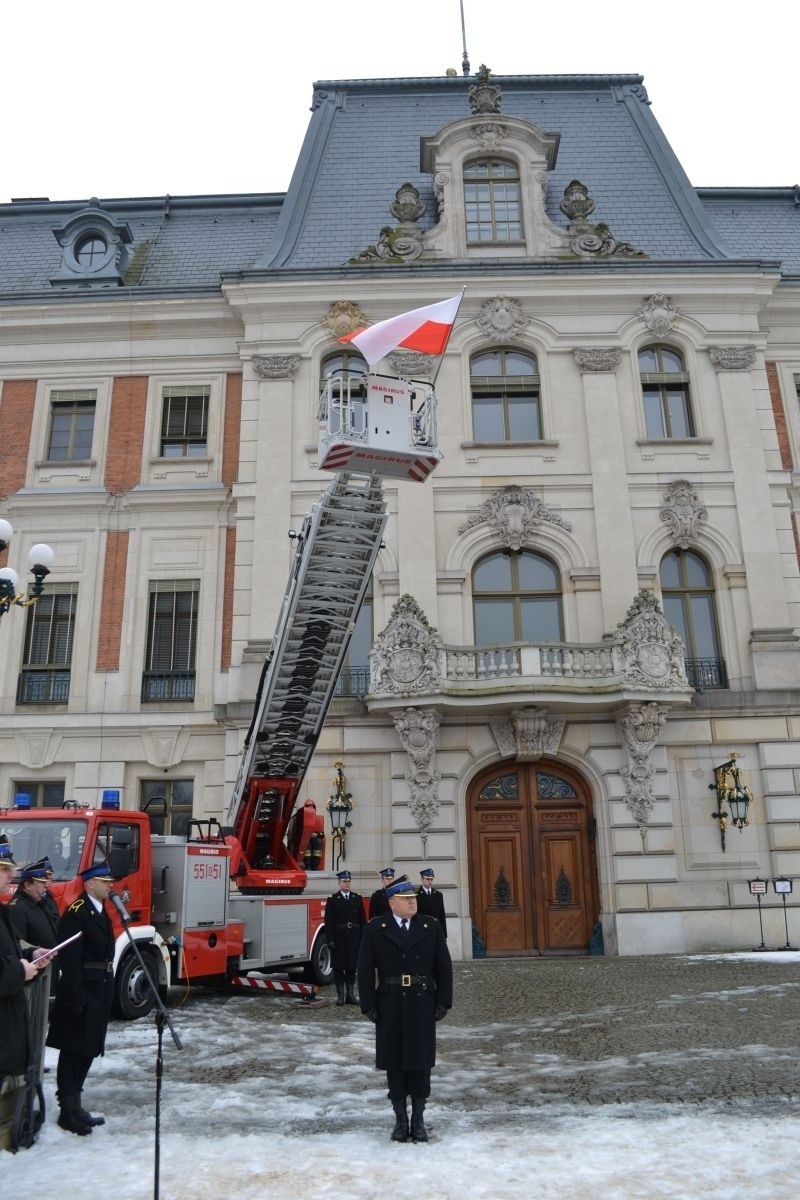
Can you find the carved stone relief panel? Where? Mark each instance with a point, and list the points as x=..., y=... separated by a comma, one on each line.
x=659, y=314
x=648, y=650
x=501, y=318
x=606, y=358
x=732, y=358
x=343, y=317
x=275, y=366
x=418, y=730
x=537, y=732
x=682, y=510
x=407, y=656
x=514, y=513
x=640, y=729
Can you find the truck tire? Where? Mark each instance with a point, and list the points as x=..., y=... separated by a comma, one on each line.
x=132, y=995
x=319, y=968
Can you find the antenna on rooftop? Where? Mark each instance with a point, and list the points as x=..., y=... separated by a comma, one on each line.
x=465, y=68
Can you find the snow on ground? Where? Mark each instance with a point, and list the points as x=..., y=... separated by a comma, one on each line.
x=290, y=1107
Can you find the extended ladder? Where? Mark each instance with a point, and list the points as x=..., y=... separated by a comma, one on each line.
x=338, y=546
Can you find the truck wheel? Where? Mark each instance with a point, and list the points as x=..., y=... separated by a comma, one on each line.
x=319, y=968
x=132, y=995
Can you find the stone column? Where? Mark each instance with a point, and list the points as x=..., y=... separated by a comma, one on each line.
x=416, y=545
x=616, y=548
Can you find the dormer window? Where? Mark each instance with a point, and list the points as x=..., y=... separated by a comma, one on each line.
x=492, y=201
x=93, y=249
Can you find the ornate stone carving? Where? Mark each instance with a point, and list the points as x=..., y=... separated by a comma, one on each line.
x=343, y=317
x=651, y=651
x=536, y=732
x=165, y=747
x=440, y=181
x=514, y=513
x=577, y=204
x=489, y=135
x=407, y=656
x=505, y=737
x=317, y=99
x=275, y=366
x=587, y=240
x=36, y=750
x=404, y=242
x=640, y=728
x=417, y=730
x=732, y=358
x=501, y=318
x=407, y=208
x=484, y=96
x=409, y=364
x=606, y=358
x=659, y=314
x=682, y=510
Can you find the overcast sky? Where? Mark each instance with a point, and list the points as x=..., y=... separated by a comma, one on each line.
x=168, y=96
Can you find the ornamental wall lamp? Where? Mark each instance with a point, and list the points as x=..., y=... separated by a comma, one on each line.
x=728, y=786
x=340, y=806
x=40, y=560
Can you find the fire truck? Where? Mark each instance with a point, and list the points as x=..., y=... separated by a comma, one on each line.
x=231, y=901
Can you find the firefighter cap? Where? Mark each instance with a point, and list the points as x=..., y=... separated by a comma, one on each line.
x=427, y=873
x=99, y=870
x=387, y=873
x=6, y=857
x=343, y=875
x=401, y=886
x=35, y=871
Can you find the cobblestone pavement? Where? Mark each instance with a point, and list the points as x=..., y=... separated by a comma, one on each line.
x=669, y=1029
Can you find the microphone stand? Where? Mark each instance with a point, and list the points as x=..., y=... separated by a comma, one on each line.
x=162, y=1019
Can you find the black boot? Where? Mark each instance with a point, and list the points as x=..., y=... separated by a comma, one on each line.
x=68, y=1117
x=418, y=1131
x=87, y=1117
x=400, y=1131
x=339, y=993
x=350, y=997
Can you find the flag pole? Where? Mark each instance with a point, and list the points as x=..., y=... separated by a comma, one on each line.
x=444, y=348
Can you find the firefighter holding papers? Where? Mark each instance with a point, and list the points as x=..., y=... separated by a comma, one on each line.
x=84, y=992
x=405, y=983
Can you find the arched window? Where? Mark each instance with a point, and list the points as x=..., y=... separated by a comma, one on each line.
x=348, y=361
x=687, y=589
x=665, y=389
x=505, y=397
x=516, y=598
x=492, y=201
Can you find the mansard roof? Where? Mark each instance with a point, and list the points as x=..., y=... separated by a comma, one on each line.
x=365, y=139
x=178, y=244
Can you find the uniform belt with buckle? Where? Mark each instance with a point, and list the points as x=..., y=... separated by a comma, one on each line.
x=98, y=966
x=423, y=981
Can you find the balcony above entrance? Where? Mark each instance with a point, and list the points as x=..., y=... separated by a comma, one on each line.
x=642, y=661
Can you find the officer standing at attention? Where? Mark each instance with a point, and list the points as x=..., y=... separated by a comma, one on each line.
x=31, y=916
x=405, y=982
x=430, y=902
x=344, y=924
x=84, y=992
x=378, y=903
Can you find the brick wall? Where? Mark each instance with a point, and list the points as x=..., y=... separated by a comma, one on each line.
x=231, y=429
x=126, y=433
x=779, y=413
x=17, y=401
x=110, y=639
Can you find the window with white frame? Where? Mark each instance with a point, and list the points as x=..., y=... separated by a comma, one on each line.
x=665, y=391
x=506, y=397
x=47, y=649
x=71, y=425
x=492, y=200
x=170, y=654
x=184, y=421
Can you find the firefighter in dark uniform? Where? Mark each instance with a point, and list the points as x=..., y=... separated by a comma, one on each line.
x=84, y=992
x=16, y=970
x=344, y=924
x=430, y=902
x=31, y=917
x=405, y=982
x=378, y=903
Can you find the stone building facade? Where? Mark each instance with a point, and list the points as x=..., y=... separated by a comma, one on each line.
x=589, y=605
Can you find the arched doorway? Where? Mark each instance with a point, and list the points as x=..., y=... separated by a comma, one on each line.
x=533, y=870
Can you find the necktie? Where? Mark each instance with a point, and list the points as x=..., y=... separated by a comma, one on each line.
x=404, y=924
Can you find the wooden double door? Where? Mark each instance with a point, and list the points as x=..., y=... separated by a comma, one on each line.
x=533, y=871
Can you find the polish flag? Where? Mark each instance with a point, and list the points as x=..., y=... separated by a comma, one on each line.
x=424, y=329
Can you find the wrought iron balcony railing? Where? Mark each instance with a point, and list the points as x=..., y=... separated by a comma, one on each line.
x=706, y=673
x=43, y=686
x=352, y=684
x=167, y=686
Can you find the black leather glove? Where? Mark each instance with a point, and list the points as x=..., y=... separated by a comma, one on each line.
x=441, y=1012
x=372, y=1016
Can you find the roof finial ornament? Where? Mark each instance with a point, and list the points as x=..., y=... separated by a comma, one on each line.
x=484, y=96
x=465, y=67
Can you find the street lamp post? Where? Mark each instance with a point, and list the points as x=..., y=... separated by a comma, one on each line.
x=40, y=560
x=340, y=805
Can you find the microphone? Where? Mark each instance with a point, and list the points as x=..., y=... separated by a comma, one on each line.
x=116, y=900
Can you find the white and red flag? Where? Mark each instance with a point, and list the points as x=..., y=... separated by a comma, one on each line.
x=424, y=329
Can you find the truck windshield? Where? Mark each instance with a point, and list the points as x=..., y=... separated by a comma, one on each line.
x=60, y=841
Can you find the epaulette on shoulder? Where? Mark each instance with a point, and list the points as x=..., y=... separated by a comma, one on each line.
x=76, y=905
